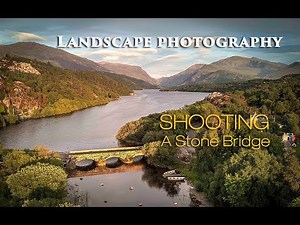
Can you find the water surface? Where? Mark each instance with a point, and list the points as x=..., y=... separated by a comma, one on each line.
x=95, y=127
x=142, y=185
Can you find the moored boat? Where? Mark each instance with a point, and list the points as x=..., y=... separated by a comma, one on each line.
x=169, y=173
x=176, y=177
x=173, y=175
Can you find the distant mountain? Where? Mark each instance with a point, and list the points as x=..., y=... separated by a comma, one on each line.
x=128, y=70
x=181, y=77
x=46, y=54
x=293, y=68
x=231, y=69
x=63, y=59
x=132, y=83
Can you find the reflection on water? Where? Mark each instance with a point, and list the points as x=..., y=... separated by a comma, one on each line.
x=142, y=185
x=153, y=177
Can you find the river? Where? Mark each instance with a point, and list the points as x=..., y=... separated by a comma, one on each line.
x=132, y=186
x=96, y=127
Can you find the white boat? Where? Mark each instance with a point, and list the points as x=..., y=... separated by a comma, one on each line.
x=173, y=175
x=169, y=173
x=176, y=177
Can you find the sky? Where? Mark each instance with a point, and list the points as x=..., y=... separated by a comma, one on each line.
x=164, y=61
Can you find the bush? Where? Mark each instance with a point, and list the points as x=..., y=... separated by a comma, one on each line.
x=15, y=160
x=295, y=202
x=47, y=202
x=31, y=178
x=160, y=156
x=45, y=152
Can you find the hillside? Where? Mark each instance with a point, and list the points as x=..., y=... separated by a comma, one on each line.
x=293, y=68
x=63, y=59
x=46, y=54
x=128, y=70
x=181, y=77
x=234, y=175
x=32, y=89
x=132, y=83
x=231, y=69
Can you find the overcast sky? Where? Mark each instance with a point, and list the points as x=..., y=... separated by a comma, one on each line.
x=159, y=62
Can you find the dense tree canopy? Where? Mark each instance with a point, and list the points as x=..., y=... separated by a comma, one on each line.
x=250, y=178
x=234, y=176
x=56, y=91
x=38, y=176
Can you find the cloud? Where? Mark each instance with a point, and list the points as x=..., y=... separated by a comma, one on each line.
x=167, y=65
x=127, y=55
x=128, y=52
x=170, y=57
x=205, y=51
x=23, y=36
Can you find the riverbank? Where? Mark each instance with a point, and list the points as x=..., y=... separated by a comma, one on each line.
x=199, y=199
x=62, y=114
x=94, y=127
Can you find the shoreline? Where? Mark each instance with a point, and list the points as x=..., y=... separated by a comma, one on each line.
x=199, y=199
x=88, y=107
x=66, y=113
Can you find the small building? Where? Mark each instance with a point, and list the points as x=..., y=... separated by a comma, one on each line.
x=284, y=137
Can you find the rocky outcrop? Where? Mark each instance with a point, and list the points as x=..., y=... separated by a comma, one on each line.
x=16, y=97
x=186, y=154
x=18, y=66
x=218, y=98
x=19, y=102
x=23, y=67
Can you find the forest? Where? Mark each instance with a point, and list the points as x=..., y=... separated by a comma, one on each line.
x=235, y=176
x=222, y=87
x=47, y=90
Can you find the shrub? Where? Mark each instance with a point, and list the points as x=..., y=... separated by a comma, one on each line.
x=41, y=175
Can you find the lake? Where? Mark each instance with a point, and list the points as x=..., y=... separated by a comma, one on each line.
x=96, y=127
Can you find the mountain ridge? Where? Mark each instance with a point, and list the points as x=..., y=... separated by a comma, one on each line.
x=231, y=69
x=293, y=68
x=66, y=60
x=133, y=71
x=55, y=56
